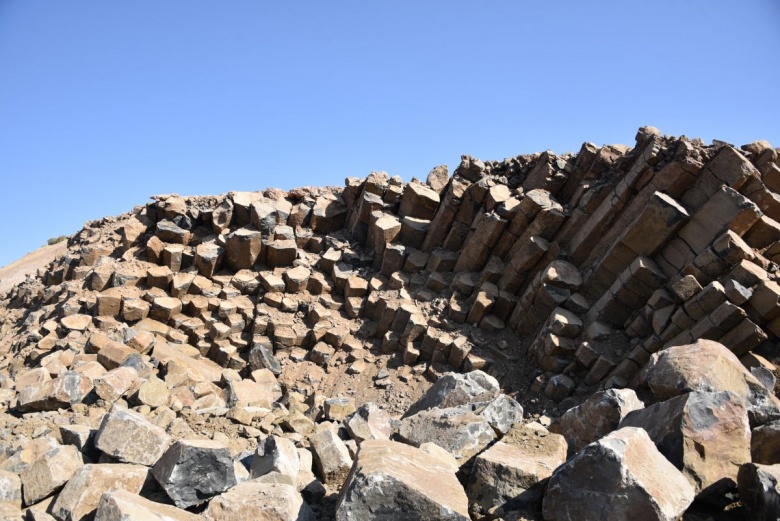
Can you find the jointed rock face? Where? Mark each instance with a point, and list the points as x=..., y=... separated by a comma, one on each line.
x=393, y=350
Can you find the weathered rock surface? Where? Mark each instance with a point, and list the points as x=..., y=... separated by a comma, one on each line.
x=596, y=417
x=260, y=501
x=705, y=435
x=759, y=490
x=395, y=481
x=620, y=476
x=192, y=471
x=129, y=437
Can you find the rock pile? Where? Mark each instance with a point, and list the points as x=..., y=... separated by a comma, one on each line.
x=584, y=336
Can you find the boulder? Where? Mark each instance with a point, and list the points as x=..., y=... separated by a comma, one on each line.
x=81, y=495
x=759, y=491
x=369, y=422
x=122, y=505
x=49, y=473
x=395, y=481
x=458, y=430
x=192, y=471
x=705, y=435
x=454, y=389
x=708, y=366
x=512, y=473
x=259, y=502
x=276, y=454
x=596, y=417
x=331, y=456
x=129, y=437
x=620, y=476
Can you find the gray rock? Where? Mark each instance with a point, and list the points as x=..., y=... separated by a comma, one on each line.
x=705, y=435
x=458, y=430
x=502, y=413
x=621, y=476
x=192, y=471
x=596, y=417
x=759, y=491
x=392, y=481
x=262, y=357
x=276, y=454
x=454, y=389
x=369, y=422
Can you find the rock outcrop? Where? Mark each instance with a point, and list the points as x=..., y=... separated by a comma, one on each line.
x=404, y=347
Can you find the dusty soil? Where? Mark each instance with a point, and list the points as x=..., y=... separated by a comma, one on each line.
x=15, y=272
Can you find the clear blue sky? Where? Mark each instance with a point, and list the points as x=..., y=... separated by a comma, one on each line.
x=104, y=103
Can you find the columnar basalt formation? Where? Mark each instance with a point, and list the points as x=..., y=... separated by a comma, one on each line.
x=290, y=350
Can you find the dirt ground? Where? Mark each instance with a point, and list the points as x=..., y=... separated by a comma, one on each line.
x=15, y=272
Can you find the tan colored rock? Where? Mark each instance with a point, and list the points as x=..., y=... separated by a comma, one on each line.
x=331, y=456
x=68, y=389
x=369, y=422
x=50, y=473
x=124, y=505
x=395, y=481
x=81, y=495
x=705, y=435
x=708, y=366
x=259, y=501
x=76, y=322
x=618, y=477
x=512, y=473
x=129, y=437
x=242, y=249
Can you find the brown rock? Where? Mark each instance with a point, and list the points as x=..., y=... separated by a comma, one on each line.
x=81, y=495
x=705, y=435
x=621, y=476
x=259, y=501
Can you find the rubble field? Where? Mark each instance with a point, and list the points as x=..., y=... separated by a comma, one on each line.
x=587, y=336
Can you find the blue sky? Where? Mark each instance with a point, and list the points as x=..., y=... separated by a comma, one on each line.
x=104, y=103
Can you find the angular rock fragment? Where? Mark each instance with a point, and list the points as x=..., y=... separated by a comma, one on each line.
x=80, y=497
x=395, y=481
x=192, y=471
x=121, y=504
x=596, y=417
x=454, y=389
x=705, y=435
x=261, y=501
x=129, y=437
x=759, y=490
x=620, y=476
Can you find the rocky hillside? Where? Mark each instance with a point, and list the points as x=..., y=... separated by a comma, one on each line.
x=585, y=336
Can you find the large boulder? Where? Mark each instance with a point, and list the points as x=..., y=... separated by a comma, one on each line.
x=192, y=471
x=81, y=495
x=596, y=417
x=708, y=366
x=458, y=430
x=259, y=502
x=512, y=473
x=705, y=435
x=454, y=389
x=620, y=476
x=395, y=481
x=130, y=438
